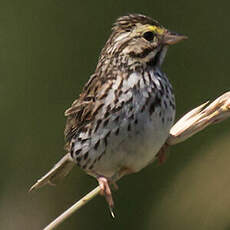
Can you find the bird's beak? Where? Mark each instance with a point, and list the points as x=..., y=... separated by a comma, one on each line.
x=171, y=38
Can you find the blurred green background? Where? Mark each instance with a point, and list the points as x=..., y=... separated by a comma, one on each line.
x=48, y=49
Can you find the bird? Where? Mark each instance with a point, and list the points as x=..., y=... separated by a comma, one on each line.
x=122, y=118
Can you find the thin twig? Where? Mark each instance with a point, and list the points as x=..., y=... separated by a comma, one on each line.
x=191, y=123
x=73, y=208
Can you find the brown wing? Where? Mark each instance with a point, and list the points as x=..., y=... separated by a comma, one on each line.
x=85, y=108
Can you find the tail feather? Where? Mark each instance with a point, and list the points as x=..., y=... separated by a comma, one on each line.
x=59, y=171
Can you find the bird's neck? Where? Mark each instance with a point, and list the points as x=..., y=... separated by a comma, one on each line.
x=109, y=61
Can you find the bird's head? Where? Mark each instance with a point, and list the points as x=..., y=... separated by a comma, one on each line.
x=138, y=38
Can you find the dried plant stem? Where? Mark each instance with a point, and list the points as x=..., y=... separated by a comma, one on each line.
x=191, y=123
x=73, y=208
x=199, y=118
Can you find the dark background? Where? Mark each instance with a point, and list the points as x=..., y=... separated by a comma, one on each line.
x=48, y=49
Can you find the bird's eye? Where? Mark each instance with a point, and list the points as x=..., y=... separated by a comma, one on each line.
x=148, y=36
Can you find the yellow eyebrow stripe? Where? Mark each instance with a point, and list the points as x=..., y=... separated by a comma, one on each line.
x=156, y=29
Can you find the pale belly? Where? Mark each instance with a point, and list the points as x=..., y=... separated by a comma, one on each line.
x=135, y=149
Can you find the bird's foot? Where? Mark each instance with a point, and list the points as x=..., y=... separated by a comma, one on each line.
x=106, y=191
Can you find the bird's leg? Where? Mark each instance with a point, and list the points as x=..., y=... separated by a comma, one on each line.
x=105, y=183
x=161, y=155
x=106, y=191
